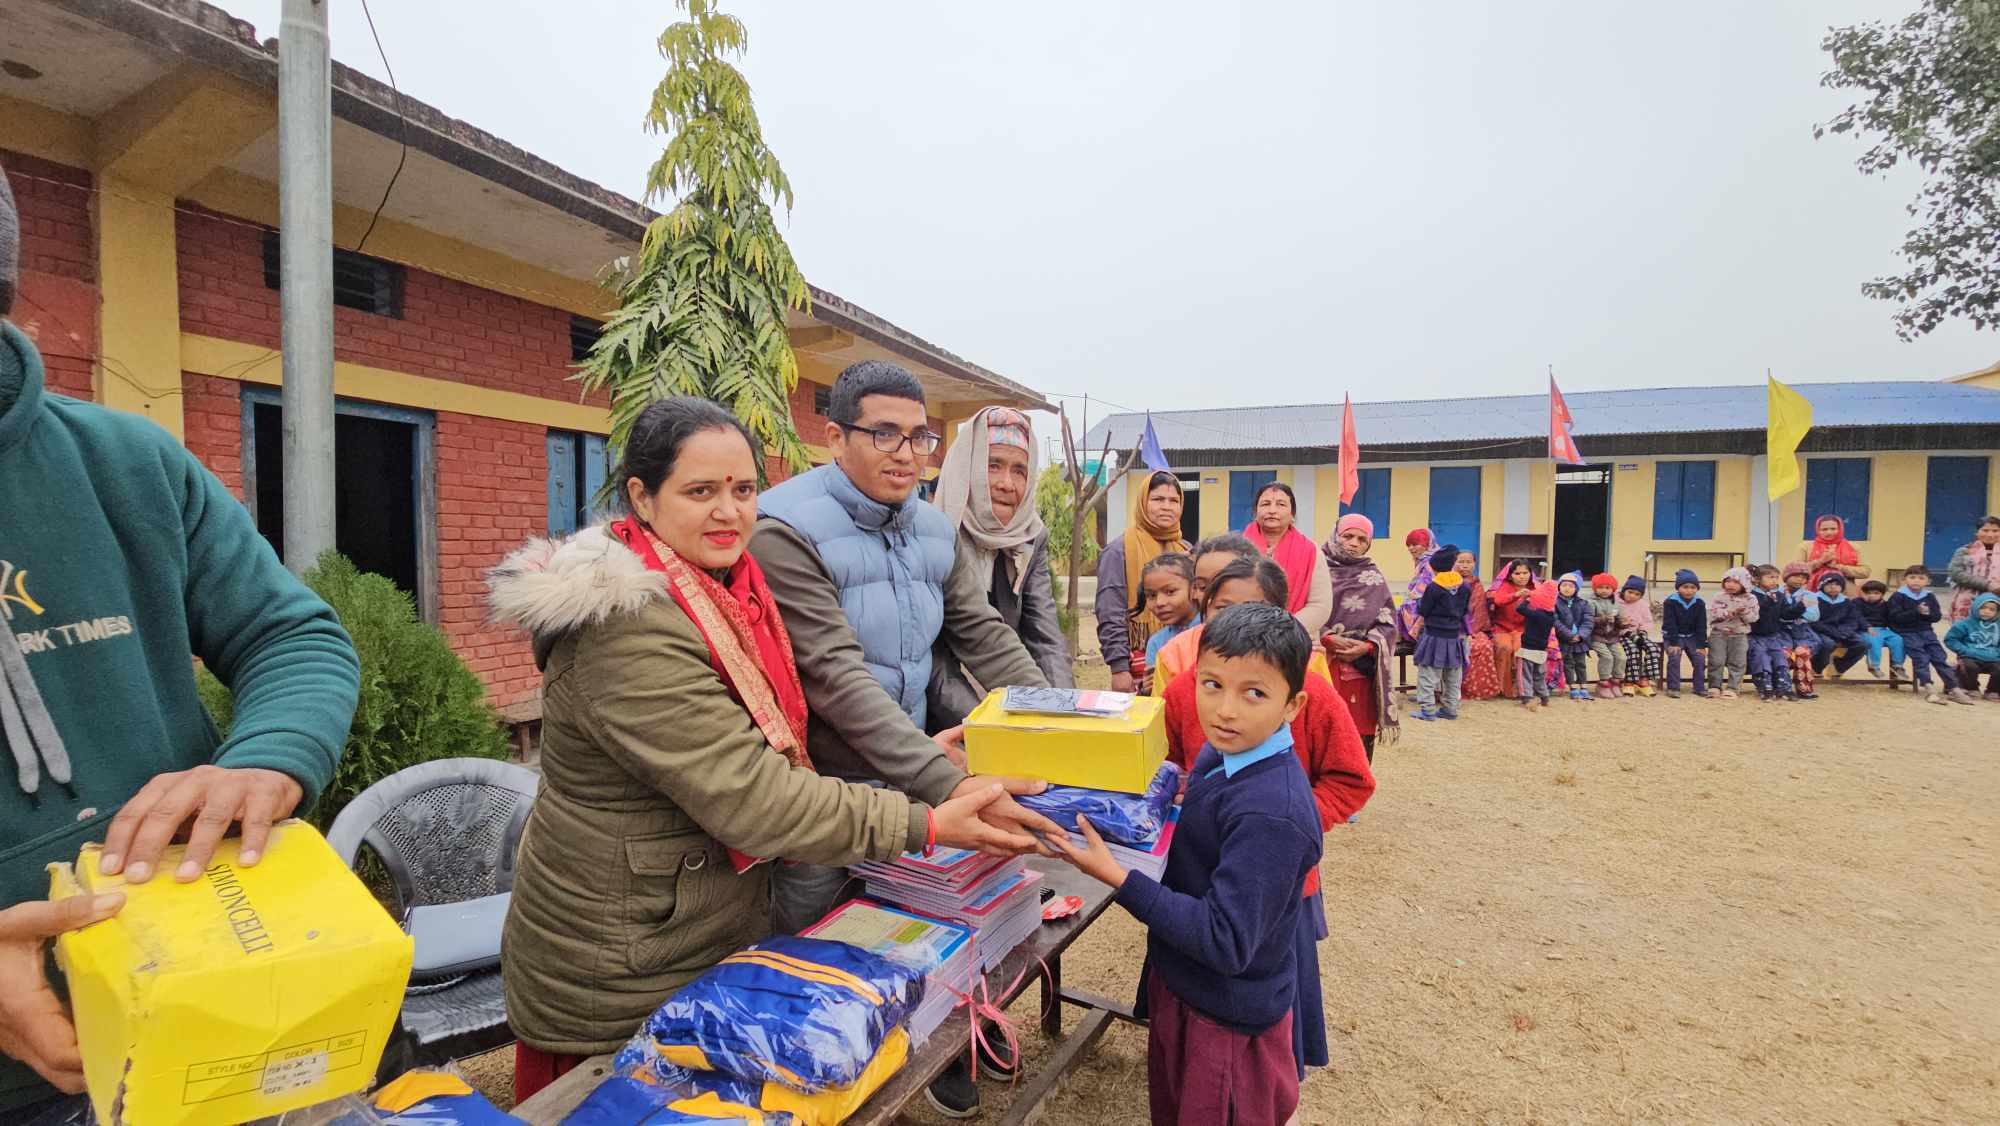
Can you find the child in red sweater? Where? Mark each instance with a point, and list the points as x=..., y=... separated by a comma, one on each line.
x=1329, y=747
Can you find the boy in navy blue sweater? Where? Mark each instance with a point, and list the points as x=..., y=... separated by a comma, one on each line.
x=1771, y=636
x=1914, y=614
x=1839, y=625
x=1221, y=960
x=1684, y=629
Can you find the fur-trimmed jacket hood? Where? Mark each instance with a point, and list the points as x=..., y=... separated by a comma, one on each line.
x=554, y=587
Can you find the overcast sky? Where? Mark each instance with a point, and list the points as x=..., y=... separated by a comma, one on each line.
x=1174, y=205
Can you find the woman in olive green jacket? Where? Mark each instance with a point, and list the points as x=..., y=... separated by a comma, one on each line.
x=672, y=757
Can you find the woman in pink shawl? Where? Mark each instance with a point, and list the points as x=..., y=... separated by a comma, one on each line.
x=1482, y=674
x=1975, y=569
x=1276, y=534
x=1420, y=543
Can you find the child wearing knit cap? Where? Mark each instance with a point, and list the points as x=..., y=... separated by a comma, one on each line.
x=1573, y=626
x=1642, y=652
x=1684, y=629
x=1538, y=615
x=1607, y=635
x=1731, y=616
x=1441, y=640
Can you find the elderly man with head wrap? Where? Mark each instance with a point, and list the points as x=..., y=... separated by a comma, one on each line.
x=124, y=558
x=987, y=490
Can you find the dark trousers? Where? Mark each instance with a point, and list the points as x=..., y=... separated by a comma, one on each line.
x=1368, y=746
x=1926, y=650
x=1970, y=669
x=1697, y=654
x=1574, y=670
x=1823, y=654
x=1771, y=663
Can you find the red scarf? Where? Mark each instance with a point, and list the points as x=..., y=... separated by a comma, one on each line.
x=1844, y=554
x=1295, y=554
x=746, y=638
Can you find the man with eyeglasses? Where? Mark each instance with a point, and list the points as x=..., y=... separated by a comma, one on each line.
x=867, y=579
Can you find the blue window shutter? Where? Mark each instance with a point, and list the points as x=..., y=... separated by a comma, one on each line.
x=1697, y=500
x=1243, y=486
x=594, y=468
x=562, y=483
x=1667, y=483
x=1454, y=510
x=1839, y=486
x=1372, y=499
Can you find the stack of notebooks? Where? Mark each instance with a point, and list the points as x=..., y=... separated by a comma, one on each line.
x=997, y=897
x=1152, y=859
x=942, y=948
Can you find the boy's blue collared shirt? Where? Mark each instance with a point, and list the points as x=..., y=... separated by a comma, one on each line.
x=1279, y=743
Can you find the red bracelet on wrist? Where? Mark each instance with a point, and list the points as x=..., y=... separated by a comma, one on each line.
x=930, y=831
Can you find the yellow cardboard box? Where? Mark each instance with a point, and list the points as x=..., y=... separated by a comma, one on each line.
x=1103, y=753
x=249, y=992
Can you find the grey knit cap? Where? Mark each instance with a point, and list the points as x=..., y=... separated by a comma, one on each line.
x=10, y=244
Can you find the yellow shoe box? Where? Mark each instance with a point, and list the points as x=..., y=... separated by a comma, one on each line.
x=1102, y=753
x=246, y=993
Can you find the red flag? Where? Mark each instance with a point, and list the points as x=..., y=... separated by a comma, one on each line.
x=1350, y=455
x=1562, y=440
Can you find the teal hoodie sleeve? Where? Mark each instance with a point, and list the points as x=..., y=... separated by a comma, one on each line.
x=1957, y=637
x=265, y=634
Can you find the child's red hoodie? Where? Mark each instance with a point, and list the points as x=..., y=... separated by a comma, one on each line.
x=1323, y=736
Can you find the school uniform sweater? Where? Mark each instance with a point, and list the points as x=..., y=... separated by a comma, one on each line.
x=1912, y=616
x=1840, y=621
x=1536, y=625
x=1443, y=609
x=1323, y=737
x=1222, y=921
x=1775, y=614
x=1874, y=615
x=1684, y=623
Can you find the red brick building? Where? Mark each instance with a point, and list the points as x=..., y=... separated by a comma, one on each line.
x=140, y=140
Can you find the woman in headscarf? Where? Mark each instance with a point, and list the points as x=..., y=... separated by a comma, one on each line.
x=1482, y=679
x=1123, y=622
x=1275, y=532
x=1419, y=543
x=1514, y=582
x=1828, y=552
x=1360, y=636
x=1975, y=569
x=987, y=489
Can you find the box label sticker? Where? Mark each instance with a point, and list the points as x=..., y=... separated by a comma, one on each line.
x=296, y=1073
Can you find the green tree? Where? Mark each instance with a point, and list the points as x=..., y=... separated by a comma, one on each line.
x=1055, y=502
x=703, y=305
x=1931, y=97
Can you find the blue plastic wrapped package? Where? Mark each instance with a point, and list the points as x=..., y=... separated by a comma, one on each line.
x=429, y=1097
x=1133, y=820
x=625, y=1100
x=804, y=1012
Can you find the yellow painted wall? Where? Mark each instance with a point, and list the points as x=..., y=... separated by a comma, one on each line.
x=1492, y=494
x=1326, y=501
x=1409, y=507
x=1632, y=519
x=140, y=318
x=1214, y=503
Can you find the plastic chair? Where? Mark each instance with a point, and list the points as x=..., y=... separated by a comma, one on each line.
x=447, y=831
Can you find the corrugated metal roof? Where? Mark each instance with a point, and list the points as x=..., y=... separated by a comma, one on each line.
x=1659, y=410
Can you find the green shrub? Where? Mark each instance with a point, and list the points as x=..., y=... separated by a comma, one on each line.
x=1055, y=502
x=418, y=700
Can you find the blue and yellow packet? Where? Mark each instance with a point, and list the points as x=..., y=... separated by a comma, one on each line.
x=805, y=1012
x=1133, y=820
x=645, y=1090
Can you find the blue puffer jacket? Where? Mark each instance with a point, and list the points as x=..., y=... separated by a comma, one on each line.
x=1574, y=622
x=889, y=565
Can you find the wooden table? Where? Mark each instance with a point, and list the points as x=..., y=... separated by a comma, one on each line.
x=549, y=1106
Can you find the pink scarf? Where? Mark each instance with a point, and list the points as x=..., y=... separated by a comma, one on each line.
x=1296, y=555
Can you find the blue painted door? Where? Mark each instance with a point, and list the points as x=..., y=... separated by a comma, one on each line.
x=1455, y=506
x=1954, y=501
x=1243, y=486
x=562, y=483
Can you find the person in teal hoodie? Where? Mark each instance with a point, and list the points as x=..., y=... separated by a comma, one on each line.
x=121, y=558
x=1975, y=640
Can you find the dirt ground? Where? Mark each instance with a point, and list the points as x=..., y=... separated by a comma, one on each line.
x=1646, y=910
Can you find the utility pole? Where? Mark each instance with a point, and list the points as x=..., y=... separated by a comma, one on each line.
x=305, y=273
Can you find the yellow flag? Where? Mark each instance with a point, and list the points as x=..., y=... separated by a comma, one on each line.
x=1790, y=418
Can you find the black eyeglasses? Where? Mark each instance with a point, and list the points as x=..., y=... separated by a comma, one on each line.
x=888, y=439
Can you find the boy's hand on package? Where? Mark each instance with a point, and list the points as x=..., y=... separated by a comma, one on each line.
x=203, y=803
x=1093, y=859
x=34, y=1027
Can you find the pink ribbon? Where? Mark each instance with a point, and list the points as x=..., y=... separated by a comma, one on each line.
x=979, y=1004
